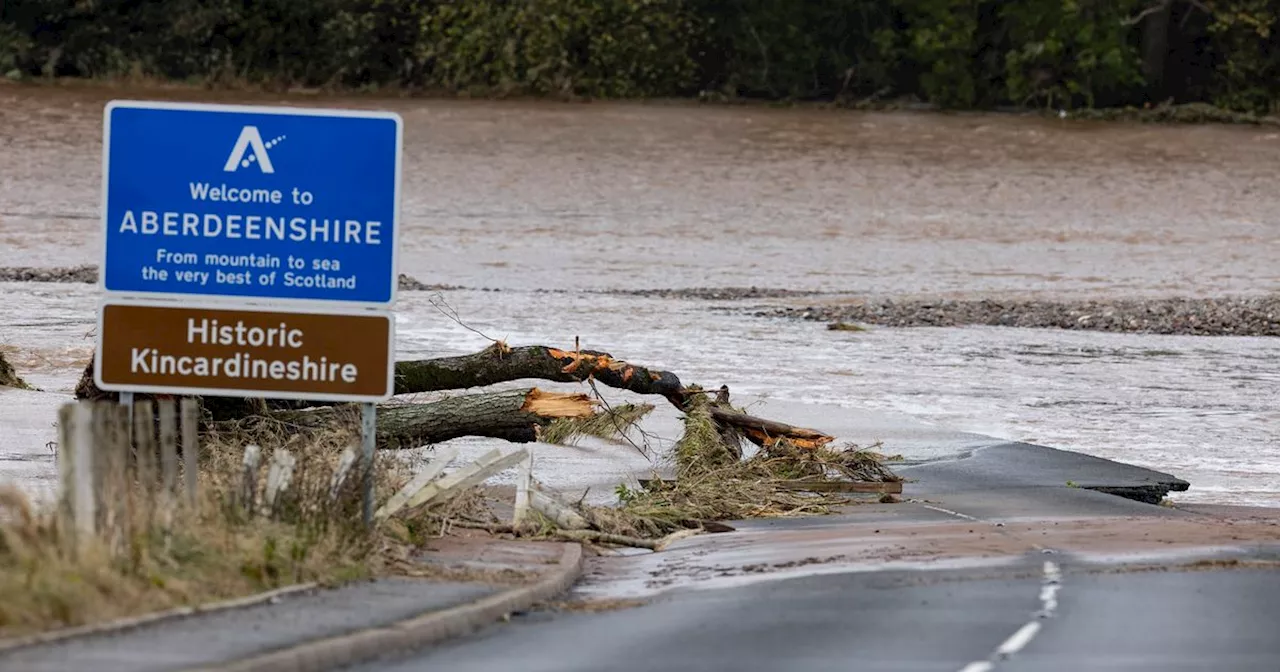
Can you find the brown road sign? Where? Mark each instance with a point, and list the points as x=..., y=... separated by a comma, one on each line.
x=267, y=352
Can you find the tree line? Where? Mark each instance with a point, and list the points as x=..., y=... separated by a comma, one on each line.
x=951, y=53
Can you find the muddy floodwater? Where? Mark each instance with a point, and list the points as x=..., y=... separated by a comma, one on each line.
x=525, y=197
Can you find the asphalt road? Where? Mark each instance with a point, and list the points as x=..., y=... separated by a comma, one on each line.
x=946, y=621
x=1040, y=608
x=213, y=638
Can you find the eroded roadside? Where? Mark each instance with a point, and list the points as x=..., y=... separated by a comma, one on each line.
x=917, y=536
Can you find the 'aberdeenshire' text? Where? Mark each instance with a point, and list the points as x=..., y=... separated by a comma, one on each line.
x=252, y=227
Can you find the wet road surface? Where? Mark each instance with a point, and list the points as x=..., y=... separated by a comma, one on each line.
x=1196, y=620
x=948, y=621
x=984, y=569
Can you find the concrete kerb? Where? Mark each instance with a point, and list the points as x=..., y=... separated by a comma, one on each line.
x=416, y=632
x=126, y=624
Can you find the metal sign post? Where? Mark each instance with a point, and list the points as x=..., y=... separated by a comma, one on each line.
x=368, y=437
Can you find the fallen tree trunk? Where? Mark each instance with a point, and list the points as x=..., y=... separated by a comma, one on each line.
x=500, y=363
x=514, y=415
x=495, y=364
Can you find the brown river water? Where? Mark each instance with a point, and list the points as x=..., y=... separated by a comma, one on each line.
x=524, y=196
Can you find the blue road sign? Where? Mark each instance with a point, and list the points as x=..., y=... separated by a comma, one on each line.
x=266, y=203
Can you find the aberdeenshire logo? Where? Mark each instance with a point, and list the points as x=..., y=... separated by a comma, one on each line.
x=251, y=139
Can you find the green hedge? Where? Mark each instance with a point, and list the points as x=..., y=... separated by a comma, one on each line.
x=954, y=53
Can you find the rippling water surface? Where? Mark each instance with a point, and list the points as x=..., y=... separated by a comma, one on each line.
x=525, y=196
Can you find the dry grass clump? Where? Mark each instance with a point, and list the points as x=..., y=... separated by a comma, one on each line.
x=415, y=527
x=309, y=500
x=713, y=484
x=214, y=551
x=610, y=424
x=850, y=463
x=702, y=448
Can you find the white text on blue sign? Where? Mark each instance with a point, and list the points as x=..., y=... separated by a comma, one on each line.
x=251, y=202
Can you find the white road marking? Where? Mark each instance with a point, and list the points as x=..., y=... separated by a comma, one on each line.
x=1049, y=599
x=965, y=516
x=949, y=512
x=1051, y=572
x=1019, y=640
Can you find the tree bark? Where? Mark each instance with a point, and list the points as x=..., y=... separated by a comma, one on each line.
x=765, y=433
x=514, y=415
x=499, y=363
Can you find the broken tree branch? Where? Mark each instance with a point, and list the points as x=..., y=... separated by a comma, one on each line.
x=493, y=414
x=606, y=538
x=499, y=363
x=765, y=433
x=514, y=415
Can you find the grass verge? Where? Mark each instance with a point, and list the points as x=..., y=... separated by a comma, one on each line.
x=213, y=551
x=228, y=545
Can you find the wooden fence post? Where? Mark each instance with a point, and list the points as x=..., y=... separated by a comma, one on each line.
x=340, y=474
x=278, y=477
x=444, y=455
x=82, y=470
x=466, y=477
x=523, y=478
x=66, y=469
x=103, y=447
x=191, y=448
x=115, y=454
x=168, y=459
x=545, y=501
x=144, y=436
x=249, y=483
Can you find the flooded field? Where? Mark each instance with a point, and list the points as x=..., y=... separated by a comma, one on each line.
x=526, y=197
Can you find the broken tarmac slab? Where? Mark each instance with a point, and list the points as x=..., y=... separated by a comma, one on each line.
x=1023, y=465
x=329, y=629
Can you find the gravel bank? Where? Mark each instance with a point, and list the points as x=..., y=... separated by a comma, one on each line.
x=74, y=274
x=712, y=293
x=1257, y=316
x=1253, y=316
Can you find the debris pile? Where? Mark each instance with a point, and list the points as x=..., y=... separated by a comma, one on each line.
x=793, y=471
x=713, y=483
